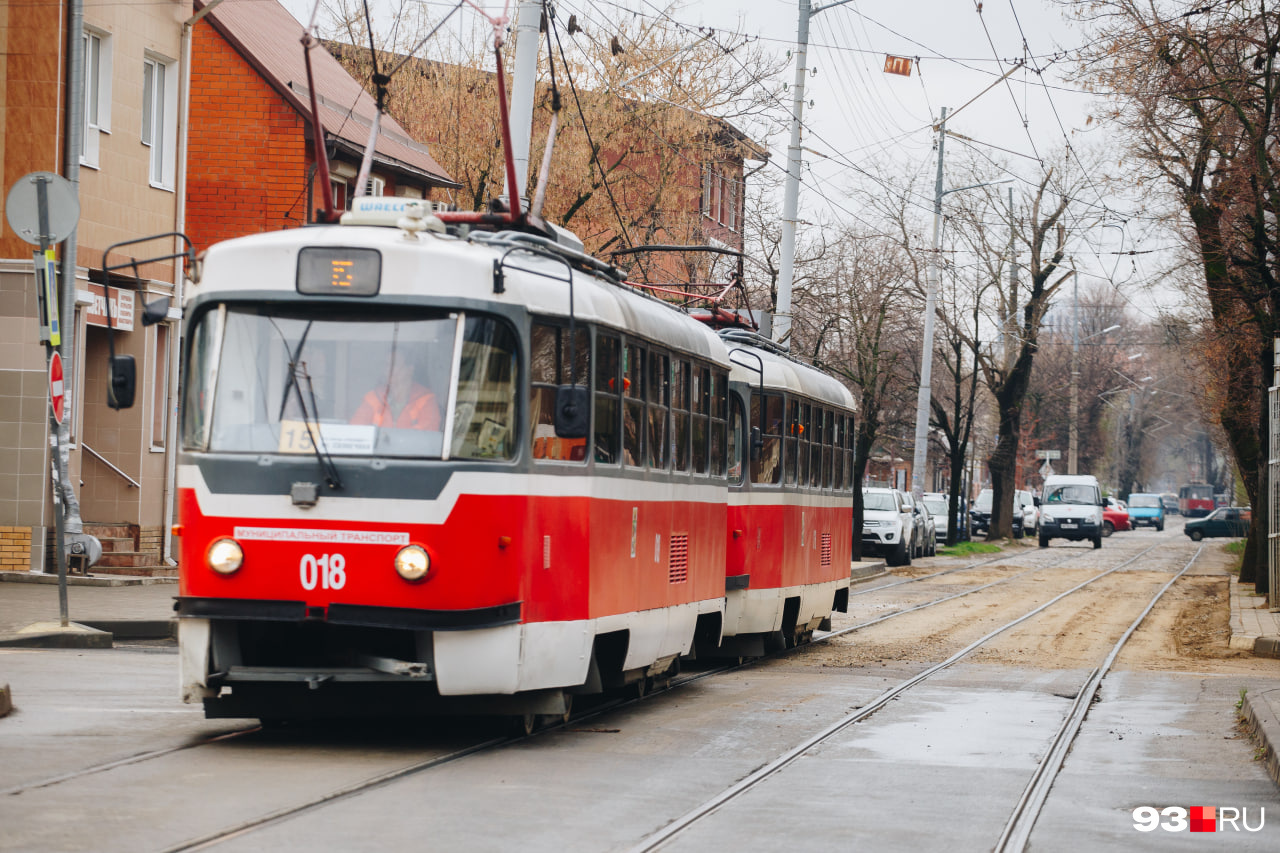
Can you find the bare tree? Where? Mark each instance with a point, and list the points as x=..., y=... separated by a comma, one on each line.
x=1196, y=90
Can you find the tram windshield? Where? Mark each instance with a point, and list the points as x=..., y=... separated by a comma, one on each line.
x=285, y=379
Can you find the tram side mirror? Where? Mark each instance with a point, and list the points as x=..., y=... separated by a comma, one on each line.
x=573, y=411
x=155, y=311
x=757, y=443
x=122, y=381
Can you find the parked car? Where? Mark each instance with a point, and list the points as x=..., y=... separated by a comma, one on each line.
x=1071, y=508
x=923, y=538
x=936, y=505
x=887, y=525
x=1024, y=505
x=1230, y=521
x=929, y=545
x=1115, y=516
x=1170, y=503
x=1147, y=508
x=980, y=515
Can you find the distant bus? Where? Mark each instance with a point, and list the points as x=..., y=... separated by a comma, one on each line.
x=1195, y=500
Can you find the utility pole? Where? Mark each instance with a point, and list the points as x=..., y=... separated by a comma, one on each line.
x=1073, y=418
x=524, y=78
x=921, y=457
x=791, y=192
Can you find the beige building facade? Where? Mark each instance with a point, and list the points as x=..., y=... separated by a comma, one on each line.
x=121, y=462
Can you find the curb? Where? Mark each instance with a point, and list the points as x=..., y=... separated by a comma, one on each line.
x=865, y=571
x=56, y=639
x=83, y=580
x=1266, y=647
x=135, y=629
x=1260, y=713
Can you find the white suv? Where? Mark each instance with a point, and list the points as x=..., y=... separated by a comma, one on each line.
x=887, y=526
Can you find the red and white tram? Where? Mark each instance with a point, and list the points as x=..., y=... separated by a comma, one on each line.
x=425, y=472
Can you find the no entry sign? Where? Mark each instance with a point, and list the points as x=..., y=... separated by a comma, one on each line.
x=55, y=386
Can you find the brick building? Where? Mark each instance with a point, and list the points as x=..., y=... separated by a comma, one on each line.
x=248, y=168
x=128, y=187
x=252, y=167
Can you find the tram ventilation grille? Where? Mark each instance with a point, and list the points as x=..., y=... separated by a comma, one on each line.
x=678, y=571
x=826, y=550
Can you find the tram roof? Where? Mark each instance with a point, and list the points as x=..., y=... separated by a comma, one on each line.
x=782, y=373
x=443, y=269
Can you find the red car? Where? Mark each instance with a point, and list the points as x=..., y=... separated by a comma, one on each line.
x=1115, y=516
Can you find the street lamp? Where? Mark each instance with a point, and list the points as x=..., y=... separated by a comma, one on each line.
x=921, y=456
x=1073, y=429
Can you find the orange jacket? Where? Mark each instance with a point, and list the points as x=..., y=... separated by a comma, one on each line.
x=421, y=412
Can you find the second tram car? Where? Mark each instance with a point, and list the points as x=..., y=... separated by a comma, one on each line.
x=1195, y=500
x=424, y=472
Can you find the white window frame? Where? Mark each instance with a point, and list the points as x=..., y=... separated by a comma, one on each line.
x=97, y=94
x=160, y=101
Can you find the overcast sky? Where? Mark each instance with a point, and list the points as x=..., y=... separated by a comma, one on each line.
x=857, y=116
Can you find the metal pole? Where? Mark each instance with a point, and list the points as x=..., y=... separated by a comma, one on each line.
x=50, y=289
x=74, y=143
x=523, y=80
x=791, y=193
x=1073, y=421
x=921, y=457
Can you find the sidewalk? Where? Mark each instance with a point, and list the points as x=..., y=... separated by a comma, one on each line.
x=120, y=607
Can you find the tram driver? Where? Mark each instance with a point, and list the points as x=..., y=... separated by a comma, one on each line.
x=401, y=401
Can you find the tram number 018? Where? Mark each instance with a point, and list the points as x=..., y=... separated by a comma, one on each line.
x=329, y=571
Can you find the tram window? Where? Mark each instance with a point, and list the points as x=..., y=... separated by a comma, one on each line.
x=821, y=451
x=680, y=390
x=270, y=378
x=549, y=369
x=633, y=419
x=198, y=384
x=736, y=440
x=837, y=442
x=484, y=417
x=657, y=391
x=719, y=424
x=850, y=438
x=768, y=468
x=792, y=442
x=607, y=398
x=701, y=424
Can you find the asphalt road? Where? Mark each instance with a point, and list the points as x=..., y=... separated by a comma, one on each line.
x=100, y=756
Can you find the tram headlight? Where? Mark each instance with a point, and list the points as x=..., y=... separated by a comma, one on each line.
x=412, y=563
x=225, y=556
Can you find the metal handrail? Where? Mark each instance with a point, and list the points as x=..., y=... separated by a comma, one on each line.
x=106, y=462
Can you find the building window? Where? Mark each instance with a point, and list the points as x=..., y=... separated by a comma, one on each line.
x=160, y=388
x=97, y=94
x=159, y=119
x=340, y=200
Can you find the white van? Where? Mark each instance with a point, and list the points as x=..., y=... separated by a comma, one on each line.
x=1071, y=508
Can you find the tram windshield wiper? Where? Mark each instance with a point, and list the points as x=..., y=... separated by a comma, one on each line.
x=298, y=373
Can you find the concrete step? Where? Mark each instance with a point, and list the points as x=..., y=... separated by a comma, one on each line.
x=144, y=571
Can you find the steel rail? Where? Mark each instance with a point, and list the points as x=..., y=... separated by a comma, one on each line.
x=680, y=824
x=1017, y=832
x=124, y=762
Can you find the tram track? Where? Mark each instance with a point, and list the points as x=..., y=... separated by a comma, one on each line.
x=605, y=707
x=577, y=721
x=1018, y=828
x=317, y=802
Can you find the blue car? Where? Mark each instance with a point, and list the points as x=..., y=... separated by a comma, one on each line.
x=1146, y=509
